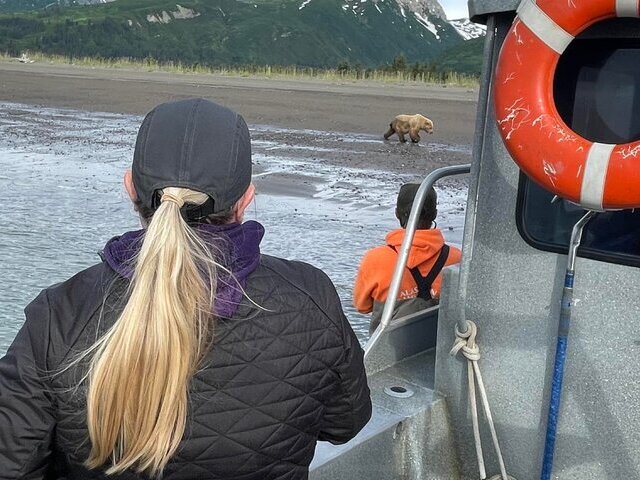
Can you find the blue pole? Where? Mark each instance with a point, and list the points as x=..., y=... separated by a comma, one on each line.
x=561, y=348
x=558, y=373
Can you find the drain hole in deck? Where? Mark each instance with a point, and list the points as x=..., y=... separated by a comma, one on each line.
x=398, y=391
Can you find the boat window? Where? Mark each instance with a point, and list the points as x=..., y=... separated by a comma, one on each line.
x=597, y=93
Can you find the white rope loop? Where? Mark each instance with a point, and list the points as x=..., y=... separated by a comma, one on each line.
x=465, y=342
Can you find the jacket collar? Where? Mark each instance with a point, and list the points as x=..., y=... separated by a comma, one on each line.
x=239, y=246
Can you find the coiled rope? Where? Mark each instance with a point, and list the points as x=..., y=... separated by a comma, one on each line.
x=466, y=342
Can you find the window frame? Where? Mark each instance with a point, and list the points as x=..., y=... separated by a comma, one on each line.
x=584, y=252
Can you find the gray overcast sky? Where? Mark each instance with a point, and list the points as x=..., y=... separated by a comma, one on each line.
x=455, y=8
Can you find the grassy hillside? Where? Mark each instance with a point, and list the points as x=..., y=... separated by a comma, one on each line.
x=222, y=32
x=463, y=58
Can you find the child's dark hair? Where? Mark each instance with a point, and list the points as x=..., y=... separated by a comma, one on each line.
x=405, y=202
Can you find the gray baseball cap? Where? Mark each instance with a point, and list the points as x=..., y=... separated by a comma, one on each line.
x=195, y=144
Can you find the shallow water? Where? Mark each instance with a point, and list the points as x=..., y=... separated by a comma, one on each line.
x=62, y=199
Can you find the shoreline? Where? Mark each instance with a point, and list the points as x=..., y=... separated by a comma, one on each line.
x=279, y=82
x=350, y=107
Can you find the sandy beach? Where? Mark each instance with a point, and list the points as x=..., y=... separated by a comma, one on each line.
x=343, y=108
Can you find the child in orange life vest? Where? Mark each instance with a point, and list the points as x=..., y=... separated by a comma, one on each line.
x=420, y=286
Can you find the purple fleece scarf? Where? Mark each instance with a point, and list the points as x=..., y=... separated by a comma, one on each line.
x=238, y=244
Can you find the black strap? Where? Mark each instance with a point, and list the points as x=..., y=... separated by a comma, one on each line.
x=191, y=213
x=424, y=283
x=435, y=270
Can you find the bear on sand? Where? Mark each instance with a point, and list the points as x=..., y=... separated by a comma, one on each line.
x=411, y=124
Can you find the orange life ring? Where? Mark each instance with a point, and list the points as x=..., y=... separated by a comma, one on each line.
x=594, y=175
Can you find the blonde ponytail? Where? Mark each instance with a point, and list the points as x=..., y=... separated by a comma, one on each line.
x=139, y=374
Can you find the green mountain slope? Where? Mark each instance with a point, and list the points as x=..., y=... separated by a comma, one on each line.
x=462, y=58
x=317, y=33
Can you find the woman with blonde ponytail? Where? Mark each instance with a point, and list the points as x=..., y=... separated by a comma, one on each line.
x=186, y=353
x=167, y=292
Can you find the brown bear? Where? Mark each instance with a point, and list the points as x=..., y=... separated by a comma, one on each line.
x=411, y=124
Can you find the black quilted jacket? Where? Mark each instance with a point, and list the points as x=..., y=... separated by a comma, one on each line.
x=276, y=381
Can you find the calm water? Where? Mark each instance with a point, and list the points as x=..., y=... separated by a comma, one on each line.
x=62, y=199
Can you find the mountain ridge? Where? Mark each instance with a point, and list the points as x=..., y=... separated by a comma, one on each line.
x=316, y=33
